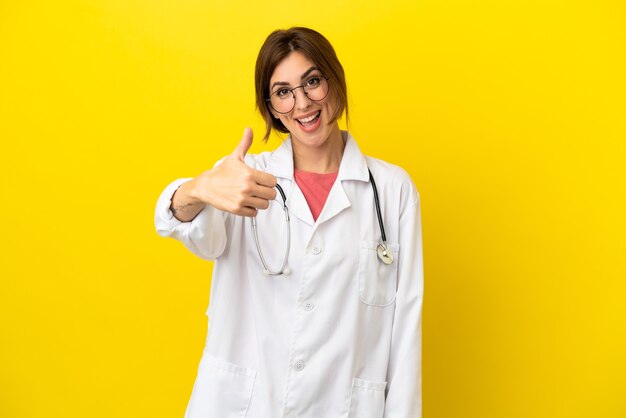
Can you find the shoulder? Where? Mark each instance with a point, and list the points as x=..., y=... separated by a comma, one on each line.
x=278, y=162
x=393, y=179
x=388, y=171
x=259, y=161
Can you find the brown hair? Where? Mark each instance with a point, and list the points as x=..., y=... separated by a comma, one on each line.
x=278, y=45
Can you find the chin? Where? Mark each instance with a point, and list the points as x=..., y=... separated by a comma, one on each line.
x=316, y=139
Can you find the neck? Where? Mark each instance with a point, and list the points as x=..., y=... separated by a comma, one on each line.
x=325, y=158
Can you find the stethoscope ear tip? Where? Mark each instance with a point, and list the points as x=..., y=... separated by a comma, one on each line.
x=286, y=271
x=266, y=272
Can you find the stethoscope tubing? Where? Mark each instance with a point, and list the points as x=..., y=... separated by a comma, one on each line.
x=377, y=204
x=283, y=269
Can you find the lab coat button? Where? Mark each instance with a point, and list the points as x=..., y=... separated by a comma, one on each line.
x=308, y=306
x=299, y=366
x=316, y=250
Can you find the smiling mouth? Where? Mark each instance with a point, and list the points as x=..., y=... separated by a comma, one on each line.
x=309, y=120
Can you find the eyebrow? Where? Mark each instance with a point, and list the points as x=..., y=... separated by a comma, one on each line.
x=302, y=77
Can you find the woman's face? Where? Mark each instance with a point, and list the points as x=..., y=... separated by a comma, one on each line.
x=309, y=122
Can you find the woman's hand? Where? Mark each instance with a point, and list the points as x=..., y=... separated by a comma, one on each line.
x=232, y=186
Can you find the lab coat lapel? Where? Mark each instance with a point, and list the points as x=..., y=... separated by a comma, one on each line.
x=281, y=166
x=353, y=167
x=299, y=207
x=336, y=202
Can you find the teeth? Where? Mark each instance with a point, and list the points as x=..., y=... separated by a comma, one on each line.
x=310, y=118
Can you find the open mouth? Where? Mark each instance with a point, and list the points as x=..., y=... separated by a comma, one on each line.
x=310, y=120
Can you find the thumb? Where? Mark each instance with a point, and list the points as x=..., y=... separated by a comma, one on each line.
x=240, y=152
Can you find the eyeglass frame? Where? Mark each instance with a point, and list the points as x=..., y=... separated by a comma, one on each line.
x=269, y=100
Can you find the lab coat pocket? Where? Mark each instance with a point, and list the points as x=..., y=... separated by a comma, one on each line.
x=222, y=389
x=377, y=280
x=367, y=399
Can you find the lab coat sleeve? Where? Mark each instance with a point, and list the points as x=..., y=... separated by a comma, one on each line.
x=205, y=235
x=404, y=375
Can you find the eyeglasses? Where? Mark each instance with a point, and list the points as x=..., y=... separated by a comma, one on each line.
x=283, y=100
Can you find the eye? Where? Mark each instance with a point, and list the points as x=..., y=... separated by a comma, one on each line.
x=313, y=82
x=282, y=93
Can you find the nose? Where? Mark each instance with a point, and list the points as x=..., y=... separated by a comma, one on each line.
x=302, y=100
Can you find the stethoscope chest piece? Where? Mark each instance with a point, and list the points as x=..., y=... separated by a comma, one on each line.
x=384, y=253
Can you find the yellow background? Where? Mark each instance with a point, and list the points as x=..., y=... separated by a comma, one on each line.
x=509, y=115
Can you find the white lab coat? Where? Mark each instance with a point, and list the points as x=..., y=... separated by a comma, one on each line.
x=338, y=337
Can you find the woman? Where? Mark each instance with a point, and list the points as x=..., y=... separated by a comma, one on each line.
x=327, y=323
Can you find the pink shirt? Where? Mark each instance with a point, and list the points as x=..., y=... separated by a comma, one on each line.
x=315, y=188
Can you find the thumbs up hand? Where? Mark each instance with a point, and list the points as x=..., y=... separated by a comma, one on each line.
x=234, y=187
x=244, y=145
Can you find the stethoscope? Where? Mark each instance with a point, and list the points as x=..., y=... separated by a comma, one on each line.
x=382, y=250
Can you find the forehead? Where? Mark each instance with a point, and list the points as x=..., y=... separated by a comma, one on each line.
x=291, y=68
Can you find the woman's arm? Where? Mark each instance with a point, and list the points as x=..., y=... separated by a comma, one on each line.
x=184, y=207
x=404, y=375
x=193, y=210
